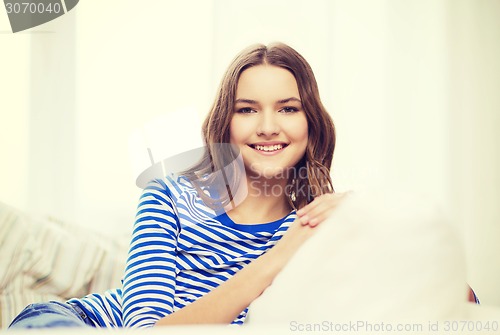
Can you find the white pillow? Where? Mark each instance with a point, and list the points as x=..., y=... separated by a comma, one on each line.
x=379, y=257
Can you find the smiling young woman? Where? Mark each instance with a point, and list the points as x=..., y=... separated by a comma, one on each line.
x=281, y=71
x=269, y=127
x=190, y=264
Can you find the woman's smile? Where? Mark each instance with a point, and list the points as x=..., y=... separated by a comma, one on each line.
x=269, y=148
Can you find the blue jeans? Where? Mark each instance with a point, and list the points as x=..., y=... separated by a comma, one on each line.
x=51, y=314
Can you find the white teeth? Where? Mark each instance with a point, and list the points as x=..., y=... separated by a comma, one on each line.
x=269, y=147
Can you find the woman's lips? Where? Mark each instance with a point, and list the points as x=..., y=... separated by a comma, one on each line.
x=268, y=148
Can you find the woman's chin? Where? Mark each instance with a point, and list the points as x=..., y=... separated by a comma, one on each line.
x=268, y=171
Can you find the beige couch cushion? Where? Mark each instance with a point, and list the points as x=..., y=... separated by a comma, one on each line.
x=43, y=259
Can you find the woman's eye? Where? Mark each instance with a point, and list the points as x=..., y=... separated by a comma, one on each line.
x=245, y=110
x=289, y=110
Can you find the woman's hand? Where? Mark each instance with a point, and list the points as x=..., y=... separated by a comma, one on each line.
x=320, y=208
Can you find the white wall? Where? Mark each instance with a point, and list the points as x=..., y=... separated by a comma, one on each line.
x=14, y=114
x=474, y=113
x=138, y=64
x=412, y=87
x=389, y=94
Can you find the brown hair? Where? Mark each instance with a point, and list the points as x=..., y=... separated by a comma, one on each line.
x=321, y=142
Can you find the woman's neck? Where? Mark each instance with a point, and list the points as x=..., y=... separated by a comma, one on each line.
x=265, y=202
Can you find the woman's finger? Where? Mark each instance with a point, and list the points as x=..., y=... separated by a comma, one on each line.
x=319, y=209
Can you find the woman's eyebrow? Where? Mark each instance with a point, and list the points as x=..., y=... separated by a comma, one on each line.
x=246, y=101
x=253, y=102
x=287, y=100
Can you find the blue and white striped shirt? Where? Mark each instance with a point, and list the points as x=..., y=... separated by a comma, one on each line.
x=180, y=250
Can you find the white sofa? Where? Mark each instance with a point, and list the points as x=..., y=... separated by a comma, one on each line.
x=43, y=259
x=384, y=259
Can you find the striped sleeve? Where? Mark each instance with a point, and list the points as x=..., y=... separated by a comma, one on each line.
x=149, y=279
x=473, y=297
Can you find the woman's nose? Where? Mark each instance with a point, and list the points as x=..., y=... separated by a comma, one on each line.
x=268, y=124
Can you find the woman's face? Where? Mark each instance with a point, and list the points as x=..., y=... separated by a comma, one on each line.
x=269, y=125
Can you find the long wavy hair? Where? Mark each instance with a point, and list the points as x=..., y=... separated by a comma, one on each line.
x=304, y=187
